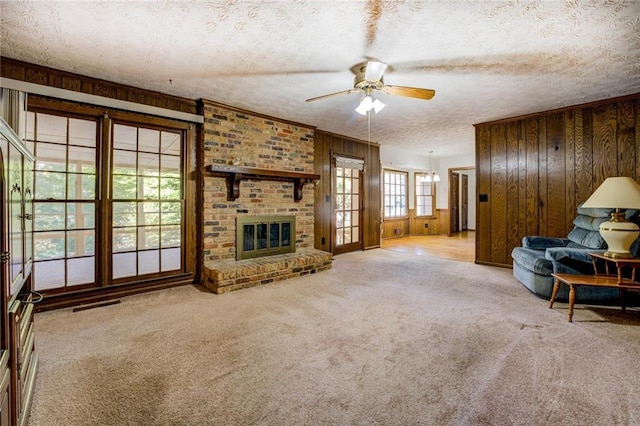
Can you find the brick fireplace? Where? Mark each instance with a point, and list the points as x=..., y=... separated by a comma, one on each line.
x=237, y=139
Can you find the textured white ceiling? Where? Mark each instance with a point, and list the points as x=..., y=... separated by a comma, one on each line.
x=486, y=59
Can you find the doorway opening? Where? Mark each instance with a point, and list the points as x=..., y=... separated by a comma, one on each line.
x=462, y=189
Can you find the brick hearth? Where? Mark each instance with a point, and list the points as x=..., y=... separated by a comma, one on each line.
x=222, y=276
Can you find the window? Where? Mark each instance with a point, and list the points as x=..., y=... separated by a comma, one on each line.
x=424, y=195
x=395, y=194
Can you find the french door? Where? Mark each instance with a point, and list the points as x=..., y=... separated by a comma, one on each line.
x=109, y=203
x=347, y=204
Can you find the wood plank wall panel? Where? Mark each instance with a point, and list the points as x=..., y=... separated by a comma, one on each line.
x=417, y=224
x=395, y=228
x=625, y=137
x=584, y=154
x=31, y=73
x=522, y=179
x=536, y=170
x=322, y=215
x=570, y=169
x=556, y=186
x=532, y=203
x=483, y=187
x=499, y=193
x=541, y=137
x=328, y=145
x=605, y=147
x=373, y=193
x=513, y=181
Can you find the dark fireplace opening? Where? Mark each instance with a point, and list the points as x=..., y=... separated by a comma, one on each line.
x=258, y=236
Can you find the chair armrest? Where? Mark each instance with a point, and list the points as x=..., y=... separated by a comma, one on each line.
x=557, y=254
x=541, y=243
x=568, y=260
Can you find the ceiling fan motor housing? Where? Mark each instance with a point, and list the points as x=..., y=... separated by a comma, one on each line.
x=359, y=82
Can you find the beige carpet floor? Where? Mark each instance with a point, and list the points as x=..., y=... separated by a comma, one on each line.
x=383, y=338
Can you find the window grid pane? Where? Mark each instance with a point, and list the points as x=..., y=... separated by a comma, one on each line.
x=424, y=195
x=64, y=232
x=347, y=206
x=395, y=194
x=147, y=201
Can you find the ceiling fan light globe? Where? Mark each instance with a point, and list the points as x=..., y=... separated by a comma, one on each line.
x=365, y=105
x=362, y=111
x=378, y=105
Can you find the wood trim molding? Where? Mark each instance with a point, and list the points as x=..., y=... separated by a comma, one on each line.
x=102, y=101
x=50, y=77
x=562, y=109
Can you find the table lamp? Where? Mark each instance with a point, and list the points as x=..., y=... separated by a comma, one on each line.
x=620, y=193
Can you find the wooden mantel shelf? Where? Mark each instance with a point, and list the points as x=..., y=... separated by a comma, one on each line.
x=235, y=174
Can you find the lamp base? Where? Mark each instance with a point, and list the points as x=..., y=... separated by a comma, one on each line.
x=619, y=234
x=614, y=255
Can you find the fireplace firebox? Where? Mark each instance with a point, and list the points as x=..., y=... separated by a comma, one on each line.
x=258, y=236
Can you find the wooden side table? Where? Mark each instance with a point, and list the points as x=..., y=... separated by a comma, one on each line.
x=619, y=264
x=606, y=279
x=575, y=281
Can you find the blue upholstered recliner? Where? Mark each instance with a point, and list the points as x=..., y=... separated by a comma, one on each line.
x=538, y=257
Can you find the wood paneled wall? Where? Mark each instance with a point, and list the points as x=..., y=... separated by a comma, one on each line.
x=30, y=73
x=328, y=145
x=413, y=225
x=534, y=171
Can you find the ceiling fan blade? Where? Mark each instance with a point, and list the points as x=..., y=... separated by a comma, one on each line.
x=374, y=70
x=330, y=95
x=410, y=92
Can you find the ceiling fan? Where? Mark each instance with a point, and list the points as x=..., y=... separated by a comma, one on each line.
x=369, y=78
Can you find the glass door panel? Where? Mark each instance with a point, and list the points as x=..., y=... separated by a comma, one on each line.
x=65, y=200
x=347, y=184
x=15, y=185
x=147, y=207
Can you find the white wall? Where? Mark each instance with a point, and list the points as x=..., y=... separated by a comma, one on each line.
x=393, y=158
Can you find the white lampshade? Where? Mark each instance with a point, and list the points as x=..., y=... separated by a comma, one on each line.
x=436, y=177
x=617, y=193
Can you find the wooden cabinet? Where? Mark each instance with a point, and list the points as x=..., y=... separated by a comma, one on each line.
x=23, y=360
x=18, y=362
x=5, y=381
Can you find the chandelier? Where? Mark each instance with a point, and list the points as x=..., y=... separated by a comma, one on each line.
x=430, y=176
